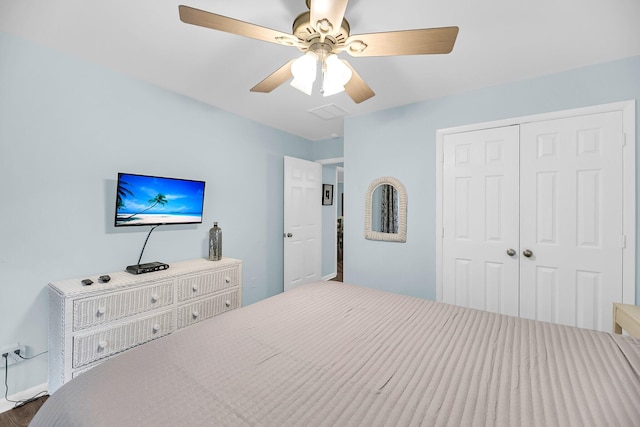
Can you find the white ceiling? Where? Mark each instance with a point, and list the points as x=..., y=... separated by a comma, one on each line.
x=499, y=41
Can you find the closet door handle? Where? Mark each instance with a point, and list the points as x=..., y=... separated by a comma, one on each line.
x=527, y=253
x=511, y=252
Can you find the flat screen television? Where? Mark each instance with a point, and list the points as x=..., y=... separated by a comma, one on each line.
x=155, y=200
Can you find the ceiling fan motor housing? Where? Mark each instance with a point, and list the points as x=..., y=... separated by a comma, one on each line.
x=309, y=36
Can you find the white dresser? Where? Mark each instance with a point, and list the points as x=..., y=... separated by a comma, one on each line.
x=88, y=324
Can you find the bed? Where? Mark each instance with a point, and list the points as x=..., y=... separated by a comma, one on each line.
x=334, y=354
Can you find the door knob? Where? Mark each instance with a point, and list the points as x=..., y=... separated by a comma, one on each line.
x=527, y=253
x=289, y=235
x=511, y=252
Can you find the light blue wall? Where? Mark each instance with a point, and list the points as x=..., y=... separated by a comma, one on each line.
x=328, y=148
x=401, y=142
x=66, y=128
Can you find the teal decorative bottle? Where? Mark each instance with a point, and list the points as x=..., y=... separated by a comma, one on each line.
x=215, y=243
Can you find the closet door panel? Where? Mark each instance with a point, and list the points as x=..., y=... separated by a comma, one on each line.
x=571, y=219
x=480, y=219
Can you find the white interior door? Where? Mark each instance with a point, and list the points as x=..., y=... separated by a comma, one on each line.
x=571, y=219
x=302, y=222
x=567, y=228
x=480, y=219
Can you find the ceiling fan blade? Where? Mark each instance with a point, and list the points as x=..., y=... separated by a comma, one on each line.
x=408, y=42
x=327, y=15
x=356, y=87
x=214, y=21
x=275, y=79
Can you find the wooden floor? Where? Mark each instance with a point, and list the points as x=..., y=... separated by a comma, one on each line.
x=21, y=417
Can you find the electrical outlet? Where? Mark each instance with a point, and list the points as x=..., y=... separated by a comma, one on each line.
x=12, y=357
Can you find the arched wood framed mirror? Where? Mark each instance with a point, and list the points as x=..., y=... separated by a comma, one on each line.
x=385, y=216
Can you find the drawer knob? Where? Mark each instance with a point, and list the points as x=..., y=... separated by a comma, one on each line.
x=227, y=303
x=154, y=298
x=195, y=314
x=102, y=345
x=194, y=288
x=101, y=311
x=156, y=328
x=227, y=279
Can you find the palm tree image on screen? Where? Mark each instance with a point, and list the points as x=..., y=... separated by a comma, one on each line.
x=159, y=199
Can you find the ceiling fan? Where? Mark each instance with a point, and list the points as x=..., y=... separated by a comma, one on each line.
x=322, y=33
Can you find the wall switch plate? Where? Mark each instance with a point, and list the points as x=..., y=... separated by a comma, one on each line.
x=12, y=357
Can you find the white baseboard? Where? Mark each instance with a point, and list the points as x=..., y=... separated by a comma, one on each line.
x=329, y=276
x=25, y=394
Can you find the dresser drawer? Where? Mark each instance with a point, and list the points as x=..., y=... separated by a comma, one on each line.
x=204, y=284
x=94, y=311
x=98, y=345
x=204, y=309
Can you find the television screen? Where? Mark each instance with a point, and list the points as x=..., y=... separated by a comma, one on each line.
x=153, y=200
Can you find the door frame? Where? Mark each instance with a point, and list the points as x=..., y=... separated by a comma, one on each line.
x=333, y=241
x=628, y=109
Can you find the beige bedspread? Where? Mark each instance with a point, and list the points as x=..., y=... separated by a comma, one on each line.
x=333, y=354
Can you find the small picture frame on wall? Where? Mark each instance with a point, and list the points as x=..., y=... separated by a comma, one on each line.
x=327, y=194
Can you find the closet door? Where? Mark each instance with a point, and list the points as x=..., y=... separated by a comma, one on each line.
x=480, y=219
x=571, y=220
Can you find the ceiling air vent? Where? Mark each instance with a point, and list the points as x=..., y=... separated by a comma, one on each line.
x=329, y=112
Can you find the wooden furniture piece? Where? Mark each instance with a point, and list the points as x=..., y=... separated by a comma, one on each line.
x=89, y=324
x=627, y=317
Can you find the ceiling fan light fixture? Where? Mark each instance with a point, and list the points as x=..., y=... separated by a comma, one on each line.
x=304, y=71
x=304, y=87
x=336, y=74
